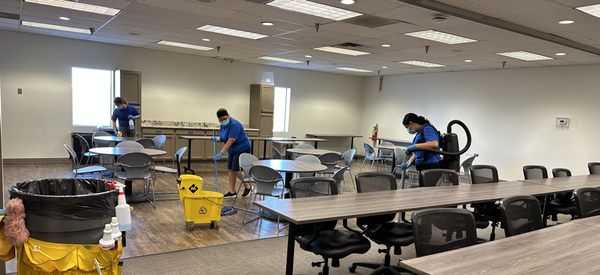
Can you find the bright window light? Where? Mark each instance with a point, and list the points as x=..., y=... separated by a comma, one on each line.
x=315, y=9
x=523, y=55
x=354, y=70
x=281, y=113
x=421, y=64
x=55, y=27
x=278, y=59
x=593, y=10
x=232, y=32
x=341, y=51
x=92, y=96
x=77, y=6
x=441, y=37
x=184, y=45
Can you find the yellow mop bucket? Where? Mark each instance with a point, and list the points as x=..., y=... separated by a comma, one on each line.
x=199, y=207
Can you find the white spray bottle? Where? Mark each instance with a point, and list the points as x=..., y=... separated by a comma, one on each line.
x=123, y=212
x=107, y=242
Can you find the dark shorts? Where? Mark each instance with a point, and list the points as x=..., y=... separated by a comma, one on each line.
x=233, y=161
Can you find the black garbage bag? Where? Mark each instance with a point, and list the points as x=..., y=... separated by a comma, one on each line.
x=66, y=210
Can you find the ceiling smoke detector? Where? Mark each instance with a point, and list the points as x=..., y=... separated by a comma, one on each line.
x=439, y=18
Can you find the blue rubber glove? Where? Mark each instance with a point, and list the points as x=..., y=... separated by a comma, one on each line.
x=404, y=165
x=410, y=149
x=130, y=117
x=219, y=155
x=214, y=139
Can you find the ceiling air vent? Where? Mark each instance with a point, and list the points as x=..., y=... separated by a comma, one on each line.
x=350, y=45
x=9, y=15
x=371, y=21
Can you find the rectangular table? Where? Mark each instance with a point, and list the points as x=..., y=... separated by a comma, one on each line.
x=569, y=183
x=318, y=209
x=570, y=248
x=351, y=136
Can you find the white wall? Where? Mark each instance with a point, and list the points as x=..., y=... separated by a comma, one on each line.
x=174, y=86
x=511, y=113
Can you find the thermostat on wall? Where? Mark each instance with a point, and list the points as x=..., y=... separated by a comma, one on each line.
x=563, y=123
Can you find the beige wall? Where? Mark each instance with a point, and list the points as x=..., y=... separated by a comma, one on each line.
x=175, y=87
x=511, y=113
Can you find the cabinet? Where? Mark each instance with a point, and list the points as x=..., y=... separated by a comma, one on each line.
x=208, y=145
x=128, y=85
x=169, y=142
x=261, y=114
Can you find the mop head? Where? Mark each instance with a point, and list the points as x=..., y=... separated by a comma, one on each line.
x=14, y=222
x=228, y=210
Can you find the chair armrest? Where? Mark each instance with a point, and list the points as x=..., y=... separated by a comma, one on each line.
x=345, y=223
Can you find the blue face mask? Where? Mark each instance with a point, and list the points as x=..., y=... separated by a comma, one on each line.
x=225, y=122
x=412, y=132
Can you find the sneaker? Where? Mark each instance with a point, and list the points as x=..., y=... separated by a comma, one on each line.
x=246, y=192
x=230, y=195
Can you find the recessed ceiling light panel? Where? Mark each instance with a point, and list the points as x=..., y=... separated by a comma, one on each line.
x=422, y=64
x=278, y=59
x=354, y=70
x=468, y=60
x=526, y=56
x=341, y=51
x=231, y=32
x=386, y=45
x=314, y=9
x=566, y=22
x=441, y=37
x=77, y=6
x=560, y=54
x=64, y=18
x=55, y=27
x=267, y=23
x=183, y=45
x=593, y=10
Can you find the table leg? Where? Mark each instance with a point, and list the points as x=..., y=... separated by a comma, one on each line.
x=288, y=179
x=289, y=263
x=265, y=150
x=316, y=145
x=351, y=142
x=189, y=160
x=128, y=188
x=393, y=161
x=252, y=147
x=545, y=211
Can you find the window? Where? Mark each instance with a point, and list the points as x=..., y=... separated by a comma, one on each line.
x=281, y=114
x=92, y=96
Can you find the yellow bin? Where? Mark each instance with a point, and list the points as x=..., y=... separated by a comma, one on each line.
x=200, y=207
x=189, y=185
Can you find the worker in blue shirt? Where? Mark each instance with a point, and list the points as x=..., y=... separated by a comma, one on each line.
x=124, y=112
x=236, y=141
x=426, y=137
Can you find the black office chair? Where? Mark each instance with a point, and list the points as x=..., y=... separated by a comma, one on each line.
x=381, y=228
x=438, y=177
x=594, y=168
x=520, y=214
x=322, y=238
x=436, y=231
x=588, y=202
x=540, y=172
x=563, y=202
x=490, y=211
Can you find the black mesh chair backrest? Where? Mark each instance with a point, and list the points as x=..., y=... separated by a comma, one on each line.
x=594, y=168
x=442, y=229
x=559, y=173
x=520, y=214
x=146, y=142
x=373, y=182
x=535, y=172
x=587, y=201
x=483, y=174
x=313, y=187
x=438, y=177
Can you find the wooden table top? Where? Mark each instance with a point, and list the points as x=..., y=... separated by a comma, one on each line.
x=317, y=209
x=118, y=151
x=259, y=138
x=285, y=165
x=308, y=151
x=112, y=138
x=334, y=135
x=570, y=248
x=569, y=183
x=591, y=221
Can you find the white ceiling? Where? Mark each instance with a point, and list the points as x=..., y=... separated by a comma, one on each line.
x=144, y=22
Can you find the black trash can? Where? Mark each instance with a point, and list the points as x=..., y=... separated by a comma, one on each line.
x=71, y=211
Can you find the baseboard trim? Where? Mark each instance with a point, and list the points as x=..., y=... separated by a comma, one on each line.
x=36, y=160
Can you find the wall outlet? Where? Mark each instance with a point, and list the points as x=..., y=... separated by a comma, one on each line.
x=563, y=123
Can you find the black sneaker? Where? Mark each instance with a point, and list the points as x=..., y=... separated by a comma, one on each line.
x=246, y=192
x=230, y=195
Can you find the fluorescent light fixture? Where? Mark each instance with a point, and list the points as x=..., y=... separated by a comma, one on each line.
x=523, y=55
x=386, y=45
x=560, y=54
x=64, y=18
x=77, y=6
x=593, y=10
x=468, y=60
x=566, y=22
x=278, y=59
x=184, y=45
x=354, y=70
x=205, y=39
x=267, y=23
x=341, y=51
x=55, y=27
x=441, y=37
x=308, y=56
x=232, y=32
x=315, y=9
x=347, y=2
x=422, y=63
x=384, y=67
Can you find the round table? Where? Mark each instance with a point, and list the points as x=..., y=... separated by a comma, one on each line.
x=307, y=151
x=118, y=151
x=112, y=138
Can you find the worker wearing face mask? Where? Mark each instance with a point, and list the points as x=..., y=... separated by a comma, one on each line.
x=236, y=142
x=124, y=113
x=426, y=137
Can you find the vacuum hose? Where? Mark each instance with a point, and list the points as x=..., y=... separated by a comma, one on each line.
x=449, y=130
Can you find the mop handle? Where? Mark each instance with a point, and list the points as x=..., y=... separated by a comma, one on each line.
x=216, y=173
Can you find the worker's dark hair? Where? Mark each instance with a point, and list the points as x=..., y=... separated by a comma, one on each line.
x=119, y=101
x=222, y=112
x=412, y=117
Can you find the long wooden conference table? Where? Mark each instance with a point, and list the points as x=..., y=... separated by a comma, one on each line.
x=327, y=208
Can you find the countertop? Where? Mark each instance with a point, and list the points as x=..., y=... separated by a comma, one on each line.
x=191, y=127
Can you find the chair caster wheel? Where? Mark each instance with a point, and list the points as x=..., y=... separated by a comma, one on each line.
x=352, y=268
x=189, y=226
x=214, y=225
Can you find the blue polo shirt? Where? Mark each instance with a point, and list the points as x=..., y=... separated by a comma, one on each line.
x=123, y=115
x=235, y=130
x=430, y=134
